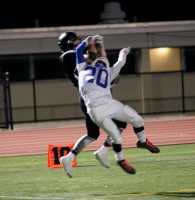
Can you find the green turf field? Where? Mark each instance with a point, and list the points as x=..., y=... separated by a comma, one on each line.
x=168, y=175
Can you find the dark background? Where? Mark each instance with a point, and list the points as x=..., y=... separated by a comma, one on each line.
x=23, y=14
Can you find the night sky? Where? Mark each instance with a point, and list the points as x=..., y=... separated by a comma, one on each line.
x=53, y=13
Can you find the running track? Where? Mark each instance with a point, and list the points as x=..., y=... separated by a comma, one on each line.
x=35, y=141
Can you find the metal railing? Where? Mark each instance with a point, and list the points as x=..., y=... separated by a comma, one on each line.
x=148, y=93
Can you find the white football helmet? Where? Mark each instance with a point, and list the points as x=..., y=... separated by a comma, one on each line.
x=101, y=60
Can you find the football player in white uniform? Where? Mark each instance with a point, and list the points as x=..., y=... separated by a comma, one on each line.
x=94, y=86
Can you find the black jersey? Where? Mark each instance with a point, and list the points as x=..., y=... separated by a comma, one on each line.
x=68, y=63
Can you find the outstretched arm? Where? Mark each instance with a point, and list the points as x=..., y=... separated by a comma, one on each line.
x=115, y=70
x=80, y=59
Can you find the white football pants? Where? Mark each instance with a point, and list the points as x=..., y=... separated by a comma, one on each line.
x=103, y=115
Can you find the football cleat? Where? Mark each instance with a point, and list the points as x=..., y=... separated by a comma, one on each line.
x=148, y=145
x=102, y=157
x=66, y=162
x=126, y=166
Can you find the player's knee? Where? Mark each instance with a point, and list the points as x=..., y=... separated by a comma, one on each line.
x=94, y=134
x=138, y=121
x=116, y=138
x=134, y=118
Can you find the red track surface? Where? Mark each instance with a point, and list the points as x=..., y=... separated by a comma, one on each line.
x=35, y=141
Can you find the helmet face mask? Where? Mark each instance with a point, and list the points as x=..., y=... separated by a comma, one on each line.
x=101, y=61
x=68, y=40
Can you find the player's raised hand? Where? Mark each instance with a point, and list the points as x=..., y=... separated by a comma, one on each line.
x=123, y=53
x=98, y=39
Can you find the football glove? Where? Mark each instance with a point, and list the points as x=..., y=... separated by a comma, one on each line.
x=123, y=53
x=98, y=39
